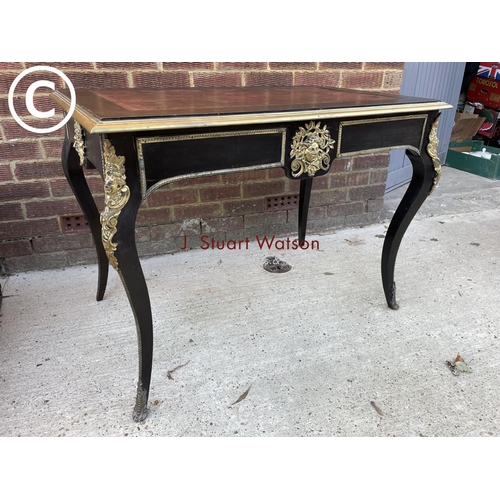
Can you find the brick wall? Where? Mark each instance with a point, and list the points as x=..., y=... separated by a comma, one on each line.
x=34, y=193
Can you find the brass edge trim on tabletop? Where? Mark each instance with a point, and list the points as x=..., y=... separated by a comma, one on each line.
x=309, y=150
x=81, y=115
x=79, y=143
x=96, y=126
x=116, y=195
x=148, y=140
x=432, y=152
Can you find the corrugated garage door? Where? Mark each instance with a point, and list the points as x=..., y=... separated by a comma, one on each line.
x=437, y=80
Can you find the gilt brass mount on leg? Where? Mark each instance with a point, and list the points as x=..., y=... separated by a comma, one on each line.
x=79, y=143
x=432, y=151
x=116, y=195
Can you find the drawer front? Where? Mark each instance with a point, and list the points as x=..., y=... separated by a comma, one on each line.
x=163, y=158
x=374, y=135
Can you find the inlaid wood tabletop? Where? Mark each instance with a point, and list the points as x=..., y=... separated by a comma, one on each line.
x=112, y=110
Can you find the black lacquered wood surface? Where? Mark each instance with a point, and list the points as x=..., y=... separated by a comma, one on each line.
x=156, y=135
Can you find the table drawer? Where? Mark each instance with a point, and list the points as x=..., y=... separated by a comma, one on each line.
x=357, y=137
x=162, y=158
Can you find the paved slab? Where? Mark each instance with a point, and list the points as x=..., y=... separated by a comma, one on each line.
x=317, y=347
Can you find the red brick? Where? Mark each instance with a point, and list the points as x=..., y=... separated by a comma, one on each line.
x=64, y=65
x=126, y=66
x=142, y=234
x=357, y=207
x=48, y=208
x=320, y=198
x=340, y=65
x=91, y=79
x=384, y=65
x=196, y=181
x=11, y=65
x=52, y=147
x=5, y=173
x=350, y=179
x=159, y=80
x=363, y=219
x=167, y=231
x=11, y=211
x=272, y=78
x=148, y=216
x=4, y=106
x=12, y=151
x=37, y=170
x=42, y=102
x=99, y=202
x=314, y=213
x=321, y=182
x=393, y=79
x=12, y=130
x=255, y=189
x=378, y=176
x=370, y=161
x=221, y=224
x=362, y=79
x=24, y=190
x=56, y=243
x=15, y=248
x=265, y=219
x=341, y=165
x=366, y=192
x=321, y=79
x=274, y=173
x=203, y=210
x=31, y=228
x=241, y=65
x=60, y=188
x=242, y=207
x=293, y=65
x=7, y=79
x=168, y=197
x=375, y=204
x=221, y=192
x=219, y=79
x=188, y=65
x=249, y=175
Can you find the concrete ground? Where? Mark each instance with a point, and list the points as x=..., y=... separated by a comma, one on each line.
x=317, y=348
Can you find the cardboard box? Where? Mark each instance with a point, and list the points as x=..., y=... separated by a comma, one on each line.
x=458, y=158
x=486, y=91
x=491, y=124
x=466, y=126
x=489, y=70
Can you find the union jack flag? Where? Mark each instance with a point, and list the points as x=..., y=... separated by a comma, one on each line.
x=489, y=70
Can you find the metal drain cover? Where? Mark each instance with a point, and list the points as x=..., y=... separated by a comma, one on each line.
x=274, y=265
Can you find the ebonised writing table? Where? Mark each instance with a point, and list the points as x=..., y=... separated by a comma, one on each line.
x=141, y=139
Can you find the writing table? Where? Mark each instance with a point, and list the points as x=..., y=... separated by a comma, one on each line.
x=141, y=139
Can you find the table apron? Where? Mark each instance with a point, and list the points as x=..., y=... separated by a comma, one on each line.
x=165, y=157
x=357, y=137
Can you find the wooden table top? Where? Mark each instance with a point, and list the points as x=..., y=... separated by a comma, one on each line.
x=114, y=110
